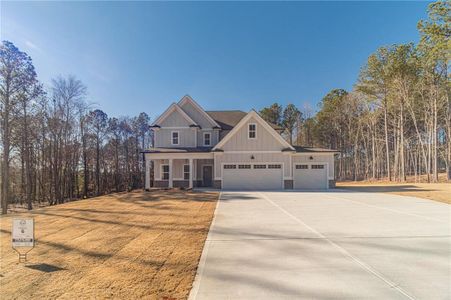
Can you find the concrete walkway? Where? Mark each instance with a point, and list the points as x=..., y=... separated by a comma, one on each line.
x=326, y=245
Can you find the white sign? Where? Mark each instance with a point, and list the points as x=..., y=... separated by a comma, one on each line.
x=23, y=233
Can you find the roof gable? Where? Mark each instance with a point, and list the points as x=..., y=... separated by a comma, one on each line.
x=196, y=112
x=175, y=115
x=269, y=134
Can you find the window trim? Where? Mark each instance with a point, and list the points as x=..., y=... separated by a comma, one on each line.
x=209, y=139
x=172, y=137
x=249, y=131
x=184, y=172
x=162, y=172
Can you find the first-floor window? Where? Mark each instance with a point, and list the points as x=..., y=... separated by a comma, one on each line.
x=186, y=172
x=165, y=172
x=175, y=138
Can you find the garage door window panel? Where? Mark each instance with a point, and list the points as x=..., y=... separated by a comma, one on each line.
x=274, y=166
x=259, y=166
x=244, y=166
x=317, y=167
x=301, y=167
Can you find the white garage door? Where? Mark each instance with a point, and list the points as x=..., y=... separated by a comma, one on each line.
x=310, y=176
x=252, y=176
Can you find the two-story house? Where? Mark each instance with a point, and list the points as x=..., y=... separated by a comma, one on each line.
x=230, y=150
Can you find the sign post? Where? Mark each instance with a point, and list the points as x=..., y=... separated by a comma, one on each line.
x=23, y=237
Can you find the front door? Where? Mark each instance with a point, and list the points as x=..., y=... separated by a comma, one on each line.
x=207, y=172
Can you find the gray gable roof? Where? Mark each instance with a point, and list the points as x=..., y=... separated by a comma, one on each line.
x=227, y=119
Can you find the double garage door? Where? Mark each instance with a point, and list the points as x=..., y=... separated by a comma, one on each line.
x=252, y=176
x=236, y=176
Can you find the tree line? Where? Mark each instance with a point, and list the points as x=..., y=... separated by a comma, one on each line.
x=397, y=119
x=55, y=146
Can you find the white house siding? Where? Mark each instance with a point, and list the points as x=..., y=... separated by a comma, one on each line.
x=317, y=158
x=214, y=137
x=221, y=158
x=265, y=141
x=174, y=119
x=177, y=165
x=197, y=116
x=187, y=137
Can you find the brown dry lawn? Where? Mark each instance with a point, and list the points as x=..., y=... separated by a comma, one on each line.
x=434, y=191
x=124, y=246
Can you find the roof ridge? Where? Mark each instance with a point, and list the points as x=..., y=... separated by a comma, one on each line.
x=225, y=110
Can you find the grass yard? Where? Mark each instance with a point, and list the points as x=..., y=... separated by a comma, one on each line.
x=434, y=191
x=127, y=245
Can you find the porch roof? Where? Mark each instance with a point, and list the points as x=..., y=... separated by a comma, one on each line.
x=178, y=150
x=313, y=149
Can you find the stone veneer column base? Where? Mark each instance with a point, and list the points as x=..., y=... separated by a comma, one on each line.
x=288, y=184
x=217, y=184
x=181, y=184
x=331, y=184
x=161, y=183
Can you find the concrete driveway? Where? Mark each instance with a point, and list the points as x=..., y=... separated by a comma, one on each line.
x=326, y=245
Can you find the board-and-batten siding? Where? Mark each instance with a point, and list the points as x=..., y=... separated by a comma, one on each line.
x=175, y=119
x=317, y=158
x=197, y=116
x=187, y=137
x=214, y=137
x=258, y=158
x=265, y=141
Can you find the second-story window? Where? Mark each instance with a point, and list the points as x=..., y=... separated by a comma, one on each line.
x=252, y=131
x=207, y=139
x=175, y=138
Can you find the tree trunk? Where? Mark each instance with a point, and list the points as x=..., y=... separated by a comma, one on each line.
x=387, y=149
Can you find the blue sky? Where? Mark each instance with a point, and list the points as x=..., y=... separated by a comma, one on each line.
x=141, y=56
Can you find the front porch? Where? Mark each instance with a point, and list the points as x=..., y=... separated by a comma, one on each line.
x=180, y=170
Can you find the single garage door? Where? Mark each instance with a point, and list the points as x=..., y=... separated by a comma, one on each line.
x=310, y=176
x=252, y=176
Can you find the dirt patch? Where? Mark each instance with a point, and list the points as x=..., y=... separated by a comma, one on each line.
x=128, y=246
x=434, y=191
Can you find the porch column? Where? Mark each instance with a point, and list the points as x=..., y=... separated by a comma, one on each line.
x=170, y=173
x=190, y=173
x=147, y=166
